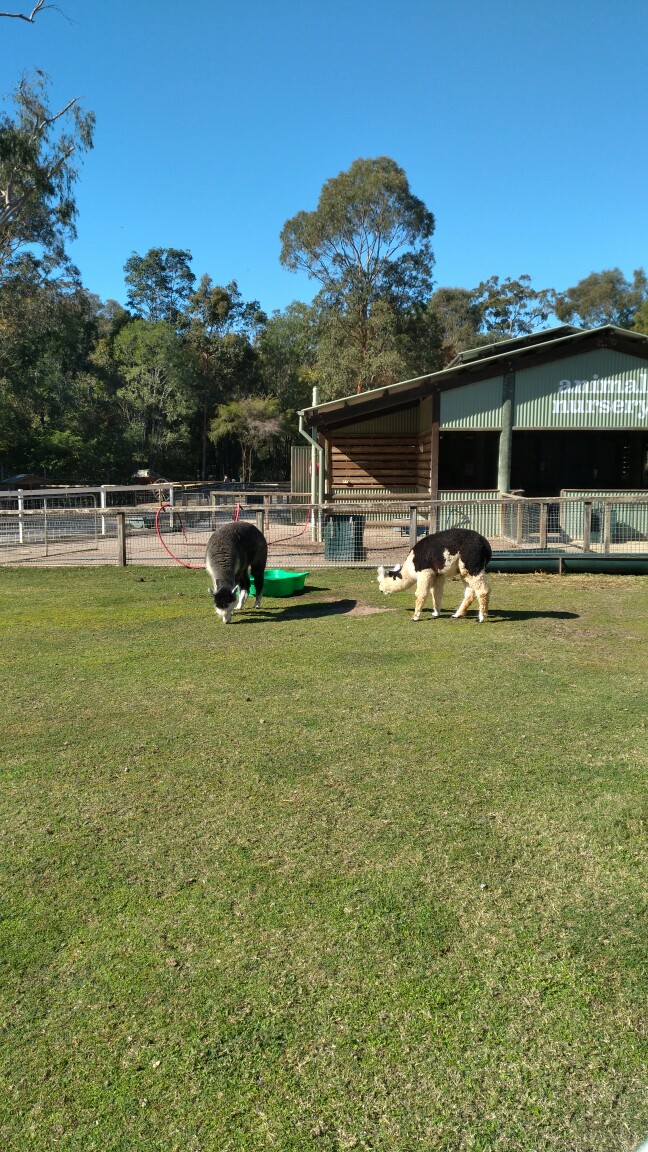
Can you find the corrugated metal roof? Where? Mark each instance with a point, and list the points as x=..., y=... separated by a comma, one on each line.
x=505, y=347
x=489, y=361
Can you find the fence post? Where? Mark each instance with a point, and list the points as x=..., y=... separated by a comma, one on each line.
x=519, y=531
x=103, y=504
x=413, y=525
x=607, y=526
x=503, y=517
x=543, y=525
x=121, y=539
x=171, y=507
x=21, y=516
x=587, y=525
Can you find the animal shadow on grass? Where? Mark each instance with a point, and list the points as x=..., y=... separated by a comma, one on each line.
x=500, y=615
x=305, y=611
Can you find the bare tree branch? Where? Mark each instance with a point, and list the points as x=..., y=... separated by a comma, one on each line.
x=21, y=16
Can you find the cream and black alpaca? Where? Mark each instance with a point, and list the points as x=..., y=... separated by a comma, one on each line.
x=457, y=552
x=233, y=551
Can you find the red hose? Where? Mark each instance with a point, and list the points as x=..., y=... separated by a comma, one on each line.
x=157, y=529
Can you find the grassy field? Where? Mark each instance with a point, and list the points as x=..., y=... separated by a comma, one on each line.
x=323, y=879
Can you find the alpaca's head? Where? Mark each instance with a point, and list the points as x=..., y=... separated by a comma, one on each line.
x=387, y=578
x=224, y=601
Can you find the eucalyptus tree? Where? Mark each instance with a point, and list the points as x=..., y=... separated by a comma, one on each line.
x=49, y=404
x=604, y=298
x=159, y=284
x=155, y=394
x=40, y=152
x=255, y=423
x=510, y=308
x=641, y=318
x=287, y=346
x=368, y=245
x=458, y=320
x=220, y=328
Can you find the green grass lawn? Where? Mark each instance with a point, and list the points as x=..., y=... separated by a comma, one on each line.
x=322, y=879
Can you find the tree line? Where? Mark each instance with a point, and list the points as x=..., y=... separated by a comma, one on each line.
x=194, y=381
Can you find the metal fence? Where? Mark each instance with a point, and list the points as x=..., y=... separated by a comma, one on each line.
x=359, y=534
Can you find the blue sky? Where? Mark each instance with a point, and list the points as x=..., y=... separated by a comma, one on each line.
x=522, y=125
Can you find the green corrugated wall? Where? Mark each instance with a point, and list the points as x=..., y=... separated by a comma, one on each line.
x=602, y=389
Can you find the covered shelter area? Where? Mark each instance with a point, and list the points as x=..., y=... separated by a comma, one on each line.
x=562, y=410
x=539, y=442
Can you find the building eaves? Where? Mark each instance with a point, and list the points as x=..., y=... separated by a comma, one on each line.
x=496, y=359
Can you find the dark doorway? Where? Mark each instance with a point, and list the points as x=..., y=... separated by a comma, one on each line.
x=544, y=462
x=468, y=460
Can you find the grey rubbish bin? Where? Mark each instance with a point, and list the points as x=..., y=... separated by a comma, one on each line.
x=344, y=537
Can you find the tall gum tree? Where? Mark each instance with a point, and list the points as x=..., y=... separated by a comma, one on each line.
x=368, y=244
x=40, y=150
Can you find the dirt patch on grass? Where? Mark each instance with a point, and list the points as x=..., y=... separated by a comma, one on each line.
x=367, y=610
x=358, y=609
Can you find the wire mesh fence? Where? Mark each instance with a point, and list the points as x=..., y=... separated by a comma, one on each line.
x=359, y=534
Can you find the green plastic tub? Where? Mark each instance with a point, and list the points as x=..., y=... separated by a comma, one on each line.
x=279, y=582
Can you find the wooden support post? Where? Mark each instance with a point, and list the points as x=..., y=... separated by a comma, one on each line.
x=519, y=530
x=121, y=539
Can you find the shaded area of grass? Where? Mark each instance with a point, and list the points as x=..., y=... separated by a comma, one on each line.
x=349, y=882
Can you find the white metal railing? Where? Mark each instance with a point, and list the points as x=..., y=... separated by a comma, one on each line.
x=358, y=533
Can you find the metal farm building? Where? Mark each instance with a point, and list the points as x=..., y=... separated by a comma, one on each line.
x=558, y=419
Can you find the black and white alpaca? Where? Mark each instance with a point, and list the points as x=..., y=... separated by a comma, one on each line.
x=457, y=552
x=233, y=551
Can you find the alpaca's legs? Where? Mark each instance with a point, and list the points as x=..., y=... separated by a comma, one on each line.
x=469, y=596
x=438, y=583
x=475, y=586
x=424, y=584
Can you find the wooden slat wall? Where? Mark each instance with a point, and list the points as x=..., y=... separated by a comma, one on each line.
x=423, y=460
x=379, y=461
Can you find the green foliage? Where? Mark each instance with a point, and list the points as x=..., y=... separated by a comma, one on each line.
x=159, y=283
x=369, y=233
x=398, y=344
x=155, y=397
x=603, y=298
x=255, y=423
x=367, y=243
x=48, y=420
x=287, y=346
x=512, y=307
x=458, y=318
x=39, y=156
x=641, y=318
x=220, y=328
